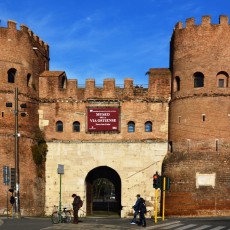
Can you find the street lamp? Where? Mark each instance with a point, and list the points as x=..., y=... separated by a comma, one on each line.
x=16, y=154
x=17, y=182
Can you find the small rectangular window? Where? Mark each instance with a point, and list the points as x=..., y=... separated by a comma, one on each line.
x=2, y=114
x=221, y=83
x=179, y=119
x=203, y=117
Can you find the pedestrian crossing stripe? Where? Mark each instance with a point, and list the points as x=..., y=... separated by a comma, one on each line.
x=202, y=227
x=172, y=226
x=186, y=226
x=218, y=228
x=162, y=225
x=177, y=225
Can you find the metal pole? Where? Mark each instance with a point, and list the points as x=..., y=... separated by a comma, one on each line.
x=60, y=195
x=7, y=206
x=156, y=204
x=17, y=184
x=164, y=187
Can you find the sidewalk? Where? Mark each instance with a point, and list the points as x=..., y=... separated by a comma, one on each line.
x=105, y=223
x=84, y=223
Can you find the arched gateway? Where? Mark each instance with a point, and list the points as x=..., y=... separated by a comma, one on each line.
x=103, y=192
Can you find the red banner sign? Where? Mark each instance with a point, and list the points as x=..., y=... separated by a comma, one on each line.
x=103, y=119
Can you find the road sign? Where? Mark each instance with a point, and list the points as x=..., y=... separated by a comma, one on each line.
x=6, y=175
x=60, y=169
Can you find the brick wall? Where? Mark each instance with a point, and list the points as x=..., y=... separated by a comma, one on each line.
x=17, y=52
x=199, y=121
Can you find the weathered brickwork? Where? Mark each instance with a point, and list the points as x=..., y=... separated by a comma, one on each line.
x=17, y=54
x=51, y=97
x=133, y=155
x=187, y=104
x=199, y=119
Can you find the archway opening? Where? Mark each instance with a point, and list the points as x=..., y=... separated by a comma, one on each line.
x=103, y=192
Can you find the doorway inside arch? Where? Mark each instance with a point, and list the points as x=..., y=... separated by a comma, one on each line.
x=103, y=192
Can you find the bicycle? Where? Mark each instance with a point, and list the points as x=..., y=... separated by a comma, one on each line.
x=63, y=216
x=8, y=212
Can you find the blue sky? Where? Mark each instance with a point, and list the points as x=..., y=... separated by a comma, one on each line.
x=108, y=38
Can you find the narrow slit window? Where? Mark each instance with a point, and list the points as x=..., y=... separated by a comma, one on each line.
x=188, y=145
x=170, y=147
x=177, y=84
x=179, y=119
x=217, y=145
x=203, y=117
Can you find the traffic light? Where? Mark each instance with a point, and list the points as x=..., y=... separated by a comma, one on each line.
x=155, y=178
x=168, y=183
x=12, y=178
x=156, y=181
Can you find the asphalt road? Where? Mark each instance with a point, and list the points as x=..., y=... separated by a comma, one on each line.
x=29, y=223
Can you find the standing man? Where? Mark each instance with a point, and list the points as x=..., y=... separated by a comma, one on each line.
x=76, y=201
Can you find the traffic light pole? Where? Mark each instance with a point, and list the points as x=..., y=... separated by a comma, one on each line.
x=156, y=205
x=163, y=199
x=17, y=184
x=7, y=206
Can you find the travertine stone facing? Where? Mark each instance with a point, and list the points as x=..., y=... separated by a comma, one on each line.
x=134, y=162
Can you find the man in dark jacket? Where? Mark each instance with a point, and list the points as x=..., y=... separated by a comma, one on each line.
x=76, y=201
x=136, y=209
x=143, y=211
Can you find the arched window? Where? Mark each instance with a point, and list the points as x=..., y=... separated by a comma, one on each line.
x=131, y=127
x=177, y=83
x=76, y=126
x=222, y=79
x=59, y=126
x=11, y=75
x=148, y=126
x=198, y=80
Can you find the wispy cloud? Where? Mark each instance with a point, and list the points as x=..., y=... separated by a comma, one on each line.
x=116, y=39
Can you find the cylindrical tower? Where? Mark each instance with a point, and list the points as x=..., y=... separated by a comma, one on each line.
x=23, y=57
x=199, y=119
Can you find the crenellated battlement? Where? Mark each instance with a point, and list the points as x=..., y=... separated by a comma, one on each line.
x=206, y=21
x=54, y=84
x=36, y=40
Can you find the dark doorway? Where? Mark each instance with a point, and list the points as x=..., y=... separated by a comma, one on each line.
x=103, y=192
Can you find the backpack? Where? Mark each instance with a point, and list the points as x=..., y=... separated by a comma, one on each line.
x=80, y=203
x=77, y=202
